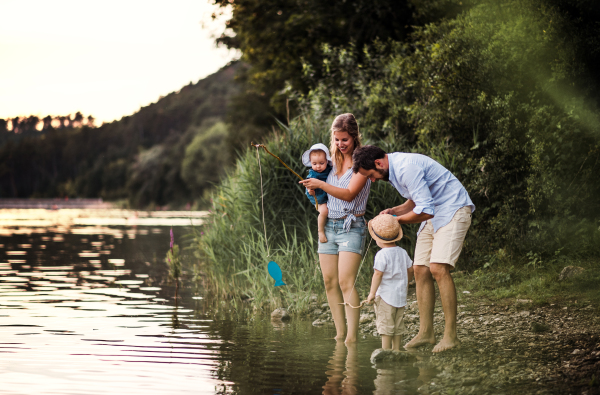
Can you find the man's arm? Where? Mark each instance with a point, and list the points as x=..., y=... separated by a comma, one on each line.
x=405, y=215
x=401, y=209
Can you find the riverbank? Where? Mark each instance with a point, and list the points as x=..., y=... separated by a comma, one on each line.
x=509, y=344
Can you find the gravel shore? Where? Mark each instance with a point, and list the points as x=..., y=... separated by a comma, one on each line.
x=509, y=346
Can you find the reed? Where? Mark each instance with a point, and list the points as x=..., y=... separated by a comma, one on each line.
x=232, y=249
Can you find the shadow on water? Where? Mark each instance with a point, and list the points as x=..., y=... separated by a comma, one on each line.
x=86, y=308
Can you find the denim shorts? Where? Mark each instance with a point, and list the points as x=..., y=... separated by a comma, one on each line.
x=338, y=240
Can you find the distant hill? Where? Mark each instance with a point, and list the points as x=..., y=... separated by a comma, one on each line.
x=138, y=158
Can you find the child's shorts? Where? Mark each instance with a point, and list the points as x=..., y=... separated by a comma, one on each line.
x=320, y=194
x=389, y=319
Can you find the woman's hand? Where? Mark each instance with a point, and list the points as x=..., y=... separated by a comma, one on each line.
x=312, y=183
x=387, y=211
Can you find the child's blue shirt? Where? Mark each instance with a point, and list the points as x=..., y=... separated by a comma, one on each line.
x=319, y=193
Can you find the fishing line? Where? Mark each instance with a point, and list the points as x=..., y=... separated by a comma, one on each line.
x=356, y=279
x=262, y=200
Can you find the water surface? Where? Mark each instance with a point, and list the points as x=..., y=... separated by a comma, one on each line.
x=85, y=308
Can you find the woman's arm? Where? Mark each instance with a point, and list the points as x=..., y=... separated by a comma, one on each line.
x=357, y=183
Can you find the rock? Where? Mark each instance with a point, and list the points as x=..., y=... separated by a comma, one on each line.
x=523, y=301
x=539, y=327
x=570, y=272
x=578, y=352
x=319, y=322
x=325, y=305
x=381, y=355
x=364, y=318
x=280, y=314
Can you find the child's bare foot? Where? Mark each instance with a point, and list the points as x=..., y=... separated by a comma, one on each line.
x=420, y=340
x=446, y=344
x=322, y=237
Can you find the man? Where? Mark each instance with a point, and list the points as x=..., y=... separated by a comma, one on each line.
x=437, y=200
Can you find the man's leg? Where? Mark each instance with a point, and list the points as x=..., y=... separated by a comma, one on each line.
x=426, y=302
x=441, y=273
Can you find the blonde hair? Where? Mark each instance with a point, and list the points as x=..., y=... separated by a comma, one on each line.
x=344, y=123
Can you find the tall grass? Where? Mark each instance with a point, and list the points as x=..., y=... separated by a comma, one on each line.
x=233, y=251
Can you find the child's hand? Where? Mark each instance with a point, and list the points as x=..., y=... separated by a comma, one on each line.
x=370, y=298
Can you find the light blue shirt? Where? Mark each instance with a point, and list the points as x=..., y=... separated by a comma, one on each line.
x=430, y=185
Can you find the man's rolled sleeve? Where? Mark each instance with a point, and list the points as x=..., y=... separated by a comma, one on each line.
x=419, y=190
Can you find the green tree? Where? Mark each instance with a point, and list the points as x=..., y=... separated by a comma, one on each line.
x=206, y=159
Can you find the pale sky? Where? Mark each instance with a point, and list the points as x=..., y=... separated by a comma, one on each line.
x=105, y=58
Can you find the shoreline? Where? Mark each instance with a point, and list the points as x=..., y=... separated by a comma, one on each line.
x=507, y=346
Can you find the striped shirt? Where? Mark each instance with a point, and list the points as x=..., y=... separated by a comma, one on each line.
x=340, y=208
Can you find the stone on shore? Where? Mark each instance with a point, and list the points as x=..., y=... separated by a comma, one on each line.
x=280, y=314
x=570, y=272
x=381, y=355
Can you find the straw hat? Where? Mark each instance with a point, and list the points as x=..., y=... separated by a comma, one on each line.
x=318, y=146
x=385, y=228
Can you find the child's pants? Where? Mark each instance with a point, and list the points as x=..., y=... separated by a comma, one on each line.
x=389, y=319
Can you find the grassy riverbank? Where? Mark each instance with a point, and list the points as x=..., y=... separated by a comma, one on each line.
x=536, y=280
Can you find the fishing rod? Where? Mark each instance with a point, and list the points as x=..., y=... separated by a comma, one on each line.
x=257, y=146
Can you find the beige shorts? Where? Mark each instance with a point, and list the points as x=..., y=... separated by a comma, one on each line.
x=389, y=320
x=443, y=246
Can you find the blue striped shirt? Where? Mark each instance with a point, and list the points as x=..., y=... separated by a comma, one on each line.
x=340, y=208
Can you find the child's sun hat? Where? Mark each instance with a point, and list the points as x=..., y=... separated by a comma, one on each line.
x=385, y=228
x=315, y=147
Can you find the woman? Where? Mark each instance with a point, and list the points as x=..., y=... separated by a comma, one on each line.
x=345, y=229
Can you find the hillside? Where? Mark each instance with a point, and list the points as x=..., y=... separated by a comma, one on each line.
x=138, y=158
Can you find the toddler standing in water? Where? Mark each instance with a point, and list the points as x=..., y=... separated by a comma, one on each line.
x=317, y=157
x=389, y=287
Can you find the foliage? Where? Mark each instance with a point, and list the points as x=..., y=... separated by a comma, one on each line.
x=278, y=37
x=497, y=96
x=206, y=159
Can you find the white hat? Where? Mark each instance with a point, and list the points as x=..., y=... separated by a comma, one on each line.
x=315, y=147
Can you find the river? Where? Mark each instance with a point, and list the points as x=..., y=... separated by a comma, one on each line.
x=86, y=308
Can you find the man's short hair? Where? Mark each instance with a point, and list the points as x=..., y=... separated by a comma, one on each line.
x=364, y=157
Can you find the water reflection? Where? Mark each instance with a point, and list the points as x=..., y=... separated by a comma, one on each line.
x=87, y=309
x=342, y=370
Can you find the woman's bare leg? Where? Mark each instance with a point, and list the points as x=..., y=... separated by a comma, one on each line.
x=347, y=270
x=329, y=268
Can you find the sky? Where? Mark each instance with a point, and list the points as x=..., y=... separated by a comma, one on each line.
x=104, y=58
